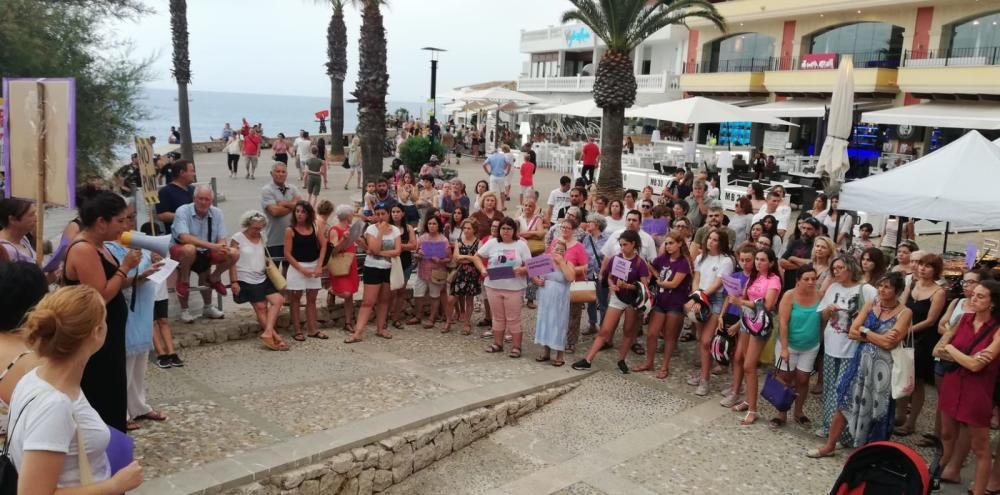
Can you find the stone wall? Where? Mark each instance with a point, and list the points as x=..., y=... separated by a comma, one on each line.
x=376, y=466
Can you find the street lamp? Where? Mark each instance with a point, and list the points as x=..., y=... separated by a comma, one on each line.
x=434, y=70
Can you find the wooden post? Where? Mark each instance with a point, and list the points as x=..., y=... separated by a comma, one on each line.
x=42, y=164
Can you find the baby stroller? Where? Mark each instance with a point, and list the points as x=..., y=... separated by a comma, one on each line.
x=885, y=468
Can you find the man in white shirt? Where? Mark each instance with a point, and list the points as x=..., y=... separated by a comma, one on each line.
x=633, y=222
x=300, y=150
x=773, y=207
x=558, y=199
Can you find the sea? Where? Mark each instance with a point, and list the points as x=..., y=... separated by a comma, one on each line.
x=211, y=110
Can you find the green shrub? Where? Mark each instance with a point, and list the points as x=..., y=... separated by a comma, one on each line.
x=416, y=151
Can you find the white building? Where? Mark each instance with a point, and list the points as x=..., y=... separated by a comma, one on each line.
x=562, y=61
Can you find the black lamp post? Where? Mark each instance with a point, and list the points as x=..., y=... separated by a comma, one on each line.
x=434, y=69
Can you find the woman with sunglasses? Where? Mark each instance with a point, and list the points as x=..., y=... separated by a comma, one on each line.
x=383, y=241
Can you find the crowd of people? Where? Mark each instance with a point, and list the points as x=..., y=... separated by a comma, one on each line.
x=750, y=287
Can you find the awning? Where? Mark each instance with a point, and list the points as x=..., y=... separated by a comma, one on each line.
x=977, y=115
x=792, y=108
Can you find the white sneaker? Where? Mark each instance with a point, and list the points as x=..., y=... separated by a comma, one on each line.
x=187, y=317
x=213, y=313
x=694, y=380
x=702, y=389
x=726, y=392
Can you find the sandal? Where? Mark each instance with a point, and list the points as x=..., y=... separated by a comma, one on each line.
x=299, y=336
x=270, y=343
x=351, y=340
x=447, y=328
x=902, y=431
x=663, y=374
x=531, y=305
x=542, y=359
x=742, y=406
x=508, y=338
x=319, y=335
x=487, y=335
x=641, y=368
x=384, y=334
x=132, y=426
x=493, y=348
x=282, y=345
x=638, y=349
x=411, y=321
x=467, y=330
x=152, y=415
x=398, y=324
x=749, y=419
x=803, y=420
x=776, y=422
x=515, y=352
x=558, y=363
x=429, y=325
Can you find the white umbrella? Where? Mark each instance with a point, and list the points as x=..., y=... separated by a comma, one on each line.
x=833, y=157
x=585, y=108
x=996, y=141
x=701, y=110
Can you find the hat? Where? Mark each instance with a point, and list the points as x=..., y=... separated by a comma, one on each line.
x=434, y=158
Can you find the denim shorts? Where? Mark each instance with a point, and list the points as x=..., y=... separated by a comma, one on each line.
x=716, y=300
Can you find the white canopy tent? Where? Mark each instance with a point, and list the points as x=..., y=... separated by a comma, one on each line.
x=956, y=183
x=959, y=115
x=498, y=96
x=701, y=110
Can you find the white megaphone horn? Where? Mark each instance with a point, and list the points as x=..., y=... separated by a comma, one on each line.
x=159, y=244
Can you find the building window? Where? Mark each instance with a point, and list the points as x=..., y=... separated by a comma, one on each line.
x=744, y=52
x=976, y=37
x=873, y=44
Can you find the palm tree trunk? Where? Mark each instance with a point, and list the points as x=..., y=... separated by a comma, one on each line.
x=184, y=114
x=609, y=184
x=371, y=90
x=336, y=37
x=182, y=72
x=337, y=117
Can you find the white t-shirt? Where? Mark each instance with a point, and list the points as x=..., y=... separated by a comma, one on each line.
x=835, y=341
x=845, y=224
x=49, y=424
x=302, y=147
x=612, y=225
x=388, y=241
x=557, y=200
x=505, y=254
x=250, y=266
x=781, y=214
x=612, y=248
x=710, y=268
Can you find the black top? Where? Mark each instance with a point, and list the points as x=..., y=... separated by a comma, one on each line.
x=405, y=257
x=172, y=197
x=305, y=248
x=800, y=248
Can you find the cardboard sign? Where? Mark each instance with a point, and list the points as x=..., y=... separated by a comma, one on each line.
x=621, y=267
x=500, y=272
x=732, y=285
x=147, y=171
x=540, y=265
x=434, y=249
x=655, y=226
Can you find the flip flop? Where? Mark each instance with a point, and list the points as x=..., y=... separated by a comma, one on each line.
x=300, y=337
x=319, y=335
x=269, y=343
x=351, y=340
x=515, y=353
x=662, y=374
x=558, y=363
x=384, y=335
x=803, y=420
x=152, y=415
x=132, y=426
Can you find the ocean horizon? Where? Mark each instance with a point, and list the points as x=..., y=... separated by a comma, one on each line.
x=211, y=110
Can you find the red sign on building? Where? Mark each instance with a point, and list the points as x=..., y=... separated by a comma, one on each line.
x=818, y=61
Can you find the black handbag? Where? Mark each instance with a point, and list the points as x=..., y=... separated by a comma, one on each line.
x=347, y=162
x=8, y=473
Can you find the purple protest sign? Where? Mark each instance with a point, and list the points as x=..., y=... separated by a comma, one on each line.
x=434, y=249
x=120, y=450
x=732, y=285
x=621, y=267
x=970, y=255
x=500, y=272
x=539, y=265
x=655, y=226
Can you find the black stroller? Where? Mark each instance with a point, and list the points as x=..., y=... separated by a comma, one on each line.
x=885, y=468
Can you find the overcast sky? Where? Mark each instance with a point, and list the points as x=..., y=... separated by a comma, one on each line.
x=279, y=46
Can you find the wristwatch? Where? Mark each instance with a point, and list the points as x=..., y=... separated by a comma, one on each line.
x=864, y=333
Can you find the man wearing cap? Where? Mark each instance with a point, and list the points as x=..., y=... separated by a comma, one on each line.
x=799, y=251
x=497, y=166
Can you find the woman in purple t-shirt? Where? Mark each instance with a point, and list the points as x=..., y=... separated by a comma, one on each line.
x=672, y=272
x=764, y=283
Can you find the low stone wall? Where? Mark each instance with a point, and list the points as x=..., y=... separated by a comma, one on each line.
x=378, y=465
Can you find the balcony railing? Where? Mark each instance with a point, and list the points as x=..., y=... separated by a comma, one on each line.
x=759, y=64
x=650, y=83
x=966, y=57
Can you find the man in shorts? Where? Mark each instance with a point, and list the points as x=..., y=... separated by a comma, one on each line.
x=198, y=243
x=498, y=168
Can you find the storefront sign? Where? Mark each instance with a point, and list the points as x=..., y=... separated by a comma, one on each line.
x=730, y=194
x=577, y=36
x=818, y=61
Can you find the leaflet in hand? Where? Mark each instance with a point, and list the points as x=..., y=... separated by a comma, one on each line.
x=540, y=265
x=732, y=284
x=160, y=276
x=434, y=249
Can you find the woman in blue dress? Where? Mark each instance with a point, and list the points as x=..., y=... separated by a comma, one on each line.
x=864, y=394
x=553, y=295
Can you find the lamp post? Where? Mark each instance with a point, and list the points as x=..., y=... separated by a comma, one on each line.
x=434, y=69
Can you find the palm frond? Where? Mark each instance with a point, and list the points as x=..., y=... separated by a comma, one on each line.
x=624, y=24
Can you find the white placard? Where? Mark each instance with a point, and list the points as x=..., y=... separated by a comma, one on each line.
x=775, y=140
x=725, y=160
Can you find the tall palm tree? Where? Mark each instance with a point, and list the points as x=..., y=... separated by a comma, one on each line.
x=622, y=25
x=372, y=88
x=182, y=72
x=336, y=68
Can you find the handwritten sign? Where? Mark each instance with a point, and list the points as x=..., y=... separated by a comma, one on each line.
x=732, y=284
x=434, y=249
x=621, y=267
x=818, y=61
x=500, y=272
x=540, y=265
x=147, y=171
x=970, y=255
x=655, y=226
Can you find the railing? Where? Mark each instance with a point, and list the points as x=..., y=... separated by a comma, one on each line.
x=542, y=34
x=862, y=60
x=757, y=64
x=982, y=56
x=649, y=83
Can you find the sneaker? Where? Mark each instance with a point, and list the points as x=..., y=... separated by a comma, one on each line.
x=694, y=380
x=213, y=313
x=175, y=361
x=582, y=364
x=702, y=389
x=187, y=317
x=623, y=366
x=163, y=361
x=729, y=401
x=726, y=392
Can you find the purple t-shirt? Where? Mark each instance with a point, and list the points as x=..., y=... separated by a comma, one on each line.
x=637, y=270
x=672, y=299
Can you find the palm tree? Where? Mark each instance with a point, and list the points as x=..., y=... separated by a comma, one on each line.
x=622, y=25
x=182, y=72
x=336, y=68
x=372, y=87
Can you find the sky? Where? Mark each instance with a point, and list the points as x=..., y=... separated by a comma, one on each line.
x=279, y=46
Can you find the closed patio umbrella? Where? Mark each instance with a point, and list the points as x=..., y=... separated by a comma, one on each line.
x=833, y=159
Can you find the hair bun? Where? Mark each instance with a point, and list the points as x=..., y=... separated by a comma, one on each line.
x=41, y=324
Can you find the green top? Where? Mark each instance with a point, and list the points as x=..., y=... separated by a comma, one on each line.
x=803, y=327
x=314, y=164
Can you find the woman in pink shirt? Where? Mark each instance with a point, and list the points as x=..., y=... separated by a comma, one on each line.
x=764, y=284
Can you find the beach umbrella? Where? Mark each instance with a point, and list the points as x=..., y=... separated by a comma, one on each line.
x=833, y=159
x=701, y=110
x=996, y=141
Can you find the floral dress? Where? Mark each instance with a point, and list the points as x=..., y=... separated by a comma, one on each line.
x=864, y=394
x=467, y=282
